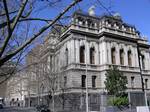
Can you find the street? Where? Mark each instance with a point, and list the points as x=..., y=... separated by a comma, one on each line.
x=17, y=109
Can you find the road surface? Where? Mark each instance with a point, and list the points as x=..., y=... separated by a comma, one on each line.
x=17, y=109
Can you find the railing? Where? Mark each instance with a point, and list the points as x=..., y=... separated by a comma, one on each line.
x=106, y=67
x=102, y=29
x=118, y=32
x=146, y=72
x=84, y=28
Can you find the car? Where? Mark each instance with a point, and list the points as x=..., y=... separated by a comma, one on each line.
x=42, y=108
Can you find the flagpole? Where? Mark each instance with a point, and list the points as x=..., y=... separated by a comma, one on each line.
x=87, y=106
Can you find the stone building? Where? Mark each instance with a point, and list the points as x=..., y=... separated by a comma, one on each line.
x=16, y=90
x=86, y=49
x=32, y=71
x=5, y=72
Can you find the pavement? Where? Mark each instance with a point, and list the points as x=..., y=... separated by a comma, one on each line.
x=18, y=109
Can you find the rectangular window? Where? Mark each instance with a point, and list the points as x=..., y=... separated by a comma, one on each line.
x=146, y=83
x=113, y=58
x=82, y=55
x=93, y=81
x=92, y=56
x=83, y=83
x=93, y=98
x=132, y=82
x=65, y=81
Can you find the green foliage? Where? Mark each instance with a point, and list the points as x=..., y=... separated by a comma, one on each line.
x=118, y=101
x=115, y=82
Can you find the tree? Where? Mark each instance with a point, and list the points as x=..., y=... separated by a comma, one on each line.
x=19, y=27
x=115, y=81
x=11, y=20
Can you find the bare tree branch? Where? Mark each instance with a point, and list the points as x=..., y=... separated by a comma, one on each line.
x=13, y=26
x=10, y=55
x=4, y=24
x=7, y=15
x=12, y=12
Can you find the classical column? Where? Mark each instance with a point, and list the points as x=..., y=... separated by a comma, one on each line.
x=108, y=53
x=87, y=53
x=72, y=51
x=136, y=58
x=96, y=54
x=69, y=51
x=77, y=48
x=117, y=48
x=133, y=56
x=98, y=44
x=100, y=54
x=125, y=56
x=146, y=61
x=105, y=53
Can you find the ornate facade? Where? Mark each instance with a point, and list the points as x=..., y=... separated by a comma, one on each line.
x=94, y=43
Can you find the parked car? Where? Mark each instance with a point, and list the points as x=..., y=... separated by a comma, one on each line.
x=42, y=108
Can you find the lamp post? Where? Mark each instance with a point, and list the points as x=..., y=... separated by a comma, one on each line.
x=139, y=58
x=142, y=82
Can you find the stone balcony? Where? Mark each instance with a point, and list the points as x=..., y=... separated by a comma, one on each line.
x=83, y=66
x=118, y=32
x=146, y=72
x=84, y=28
x=95, y=30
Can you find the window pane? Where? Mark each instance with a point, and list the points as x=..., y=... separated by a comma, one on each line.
x=83, y=81
x=93, y=81
x=132, y=82
x=129, y=58
x=121, y=57
x=92, y=56
x=82, y=57
x=113, y=56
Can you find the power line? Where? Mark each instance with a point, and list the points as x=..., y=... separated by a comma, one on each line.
x=103, y=6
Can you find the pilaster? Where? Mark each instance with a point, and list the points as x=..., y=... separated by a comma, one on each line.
x=125, y=55
x=117, y=54
x=96, y=54
x=77, y=52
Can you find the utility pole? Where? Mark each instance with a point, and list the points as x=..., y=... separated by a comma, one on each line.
x=142, y=82
x=139, y=58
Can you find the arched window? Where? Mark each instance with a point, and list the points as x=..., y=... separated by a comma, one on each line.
x=66, y=55
x=143, y=61
x=121, y=57
x=82, y=54
x=113, y=57
x=129, y=58
x=92, y=55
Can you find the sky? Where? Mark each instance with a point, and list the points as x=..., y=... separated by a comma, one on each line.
x=134, y=12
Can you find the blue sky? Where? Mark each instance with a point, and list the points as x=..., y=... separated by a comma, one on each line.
x=134, y=12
